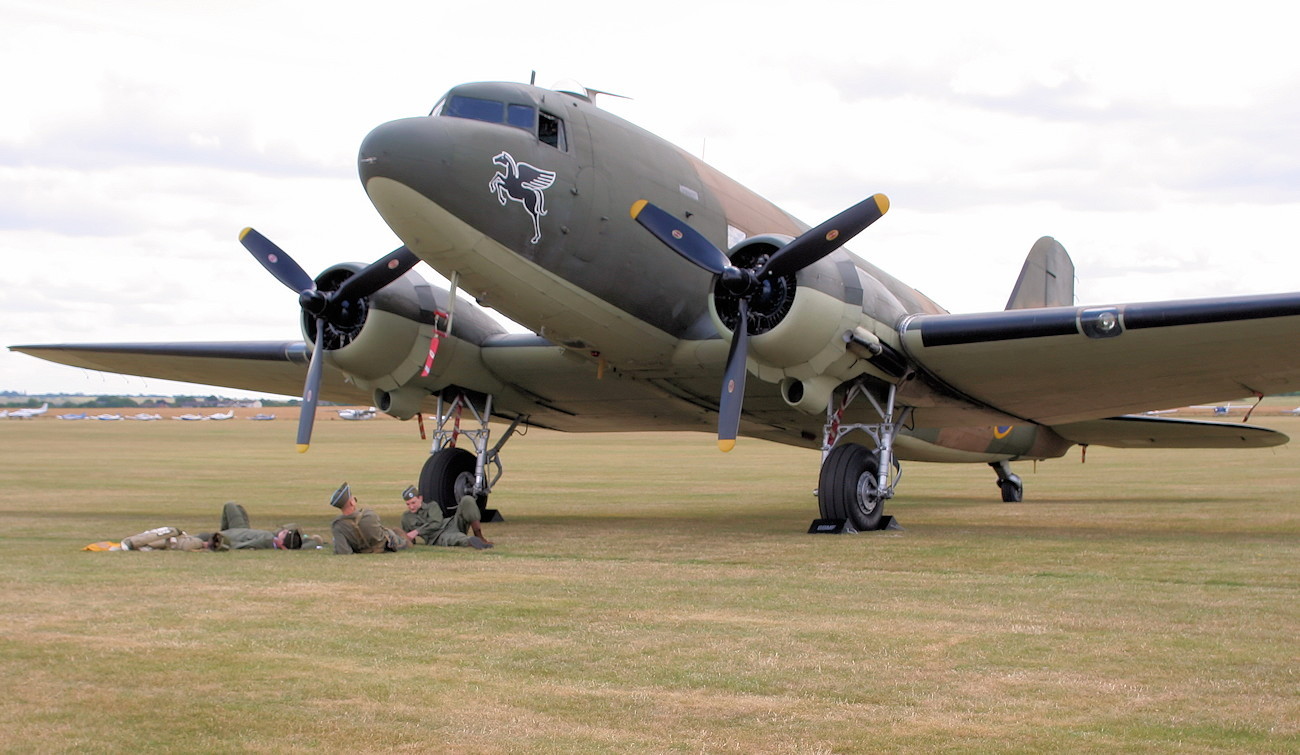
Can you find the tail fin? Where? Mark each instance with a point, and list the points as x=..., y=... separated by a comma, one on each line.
x=1046, y=280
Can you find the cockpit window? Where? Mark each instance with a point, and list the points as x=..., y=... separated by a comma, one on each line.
x=521, y=116
x=489, y=111
x=474, y=108
x=547, y=127
x=551, y=131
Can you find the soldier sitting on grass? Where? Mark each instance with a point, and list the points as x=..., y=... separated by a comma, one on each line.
x=358, y=530
x=426, y=522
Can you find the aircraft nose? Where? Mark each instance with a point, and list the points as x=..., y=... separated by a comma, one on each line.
x=403, y=150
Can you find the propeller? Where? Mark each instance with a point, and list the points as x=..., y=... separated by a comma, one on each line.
x=338, y=307
x=753, y=284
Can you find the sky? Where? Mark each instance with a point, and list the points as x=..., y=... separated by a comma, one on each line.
x=138, y=138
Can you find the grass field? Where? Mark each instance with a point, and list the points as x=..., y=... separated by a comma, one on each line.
x=646, y=594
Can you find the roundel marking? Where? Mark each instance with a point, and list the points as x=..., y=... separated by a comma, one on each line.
x=832, y=234
x=1002, y=431
x=677, y=234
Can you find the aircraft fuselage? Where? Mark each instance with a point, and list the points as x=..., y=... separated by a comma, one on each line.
x=523, y=194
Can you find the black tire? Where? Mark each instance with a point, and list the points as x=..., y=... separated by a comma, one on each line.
x=1013, y=491
x=847, y=487
x=447, y=475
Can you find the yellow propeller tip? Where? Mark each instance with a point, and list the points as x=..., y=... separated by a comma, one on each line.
x=637, y=207
x=244, y=233
x=882, y=202
x=726, y=445
x=302, y=447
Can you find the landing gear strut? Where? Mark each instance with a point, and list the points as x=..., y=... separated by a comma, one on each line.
x=1013, y=490
x=856, y=481
x=450, y=473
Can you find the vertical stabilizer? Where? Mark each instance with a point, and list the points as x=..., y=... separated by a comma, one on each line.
x=1046, y=280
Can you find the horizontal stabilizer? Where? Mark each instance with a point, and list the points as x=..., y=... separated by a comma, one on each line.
x=1141, y=431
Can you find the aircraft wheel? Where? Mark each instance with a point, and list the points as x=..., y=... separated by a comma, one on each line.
x=1013, y=490
x=848, y=487
x=448, y=475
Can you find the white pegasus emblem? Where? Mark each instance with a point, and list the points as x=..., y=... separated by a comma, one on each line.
x=524, y=184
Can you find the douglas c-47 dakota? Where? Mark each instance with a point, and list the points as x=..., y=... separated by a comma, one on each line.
x=649, y=279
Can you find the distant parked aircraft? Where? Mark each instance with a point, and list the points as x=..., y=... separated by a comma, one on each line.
x=28, y=413
x=262, y=417
x=219, y=416
x=357, y=413
x=142, y=417
x=73, y=416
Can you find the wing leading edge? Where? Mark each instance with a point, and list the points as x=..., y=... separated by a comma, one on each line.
x=1060, y=365
x=263, y=366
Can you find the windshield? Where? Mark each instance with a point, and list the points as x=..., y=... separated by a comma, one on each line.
x=490, y=111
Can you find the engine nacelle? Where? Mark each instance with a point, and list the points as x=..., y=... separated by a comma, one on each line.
x=797, y=323
x=383, y=342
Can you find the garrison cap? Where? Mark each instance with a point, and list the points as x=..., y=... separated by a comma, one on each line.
x=409, y=493
x=293, y=539
x=341, y=496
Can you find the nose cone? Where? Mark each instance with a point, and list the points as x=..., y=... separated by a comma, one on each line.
x=406, y=150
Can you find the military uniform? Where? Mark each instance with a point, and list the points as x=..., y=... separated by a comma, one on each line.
x=435, y=529
x=235, y=534
x=361, y=532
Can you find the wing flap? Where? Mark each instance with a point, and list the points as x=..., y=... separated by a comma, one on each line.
x=1168, y=432
x=1059, y=365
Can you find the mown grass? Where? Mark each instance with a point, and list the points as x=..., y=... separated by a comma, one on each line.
x=646, y=594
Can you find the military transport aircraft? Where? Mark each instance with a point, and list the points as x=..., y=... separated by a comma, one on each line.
x=647, y=277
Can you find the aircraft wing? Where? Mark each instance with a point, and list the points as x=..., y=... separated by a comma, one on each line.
x=263, y=366
x=1140, y=431
x=1059, y=365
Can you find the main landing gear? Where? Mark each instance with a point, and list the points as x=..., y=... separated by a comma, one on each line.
x=855, y=480
x=451, y=473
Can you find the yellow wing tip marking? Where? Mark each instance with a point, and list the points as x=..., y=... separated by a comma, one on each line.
x=726, y=444
x=638, y=206
x=882, y=202
x=302, y=447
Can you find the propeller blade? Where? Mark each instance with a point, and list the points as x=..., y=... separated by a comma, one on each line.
x=307, y=418
x=818, y=242
x=680, y=237
x=274, y=259
x=376, y=275
x=733, y=382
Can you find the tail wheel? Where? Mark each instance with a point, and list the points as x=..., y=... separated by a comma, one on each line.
x=849, y=487
x=448, y=476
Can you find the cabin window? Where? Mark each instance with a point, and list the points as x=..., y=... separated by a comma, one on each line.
x=551, y=131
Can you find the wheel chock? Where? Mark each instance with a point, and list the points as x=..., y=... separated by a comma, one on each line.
x=843, y=527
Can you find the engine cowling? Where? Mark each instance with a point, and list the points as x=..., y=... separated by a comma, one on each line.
x=383, y=341
x=797, y=324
